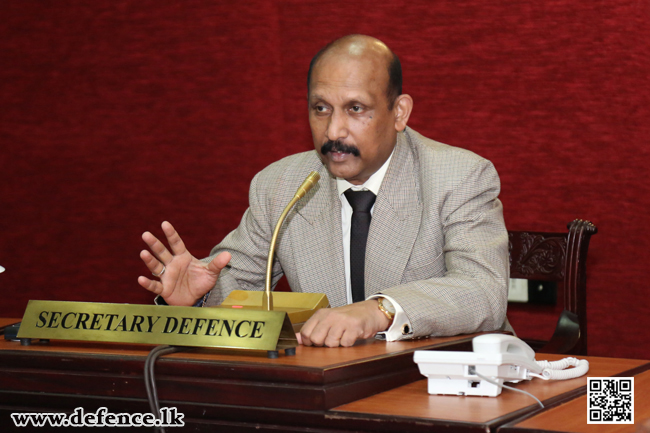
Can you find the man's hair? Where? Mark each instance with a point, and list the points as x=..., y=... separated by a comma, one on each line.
x=394, y=88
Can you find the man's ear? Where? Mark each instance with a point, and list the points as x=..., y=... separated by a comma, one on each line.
x=402, y=109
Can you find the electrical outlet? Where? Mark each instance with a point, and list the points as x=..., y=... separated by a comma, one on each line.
x=518, y=291
x=532, y=291
x=542, y=292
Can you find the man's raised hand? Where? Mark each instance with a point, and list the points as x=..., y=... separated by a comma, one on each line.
x=185, y=279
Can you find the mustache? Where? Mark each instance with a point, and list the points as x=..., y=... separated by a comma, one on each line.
x=337, y=146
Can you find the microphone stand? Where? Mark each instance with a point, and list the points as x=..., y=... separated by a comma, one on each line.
x=308, y=184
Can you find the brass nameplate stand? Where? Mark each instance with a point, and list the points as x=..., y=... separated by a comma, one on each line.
x=152, y=324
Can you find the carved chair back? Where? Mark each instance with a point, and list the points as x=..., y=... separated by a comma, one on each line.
x=561, y=258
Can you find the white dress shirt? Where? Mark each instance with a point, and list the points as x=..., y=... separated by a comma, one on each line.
x=401, y=326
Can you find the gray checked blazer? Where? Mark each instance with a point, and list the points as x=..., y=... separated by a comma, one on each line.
x=437, y=242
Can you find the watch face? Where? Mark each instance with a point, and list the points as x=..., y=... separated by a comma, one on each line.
x=388, y=305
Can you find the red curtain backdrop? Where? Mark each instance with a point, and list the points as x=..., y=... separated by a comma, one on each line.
x=116, y=115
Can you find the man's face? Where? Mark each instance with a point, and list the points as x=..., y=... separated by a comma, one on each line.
x=349, y=116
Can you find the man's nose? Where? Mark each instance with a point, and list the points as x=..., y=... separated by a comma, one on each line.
x=337, y=127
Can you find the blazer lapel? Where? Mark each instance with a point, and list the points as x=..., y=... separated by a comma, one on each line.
x=317, y=240
x=395, y=221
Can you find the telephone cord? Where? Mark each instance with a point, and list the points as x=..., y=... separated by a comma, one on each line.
x=559, y=370
x=500, y=385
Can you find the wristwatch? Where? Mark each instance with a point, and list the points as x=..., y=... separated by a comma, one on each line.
x=386, y=307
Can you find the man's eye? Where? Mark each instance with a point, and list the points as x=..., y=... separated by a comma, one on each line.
x=320, y=108
x=356, y=109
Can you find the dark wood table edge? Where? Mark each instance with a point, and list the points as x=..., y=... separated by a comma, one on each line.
x=325, y=375
x=509, y=427
x=316, y=421
x=395, y=369
x=263, y=419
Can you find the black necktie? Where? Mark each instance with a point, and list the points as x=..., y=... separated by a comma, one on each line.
x=361, y=202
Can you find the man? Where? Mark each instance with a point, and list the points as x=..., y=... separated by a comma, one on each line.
x=436, y=257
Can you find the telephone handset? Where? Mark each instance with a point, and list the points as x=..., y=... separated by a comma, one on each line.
x=512, y=350
x=496, y=358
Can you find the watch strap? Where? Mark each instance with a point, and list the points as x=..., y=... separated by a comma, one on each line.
x=389, y=315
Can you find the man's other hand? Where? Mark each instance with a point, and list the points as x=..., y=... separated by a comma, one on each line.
x=342, y=326
x=185, y=279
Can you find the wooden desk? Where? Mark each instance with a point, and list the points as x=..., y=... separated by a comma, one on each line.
x=207, y=384
x=572, y=416
x=372, y=387
x=411, y=408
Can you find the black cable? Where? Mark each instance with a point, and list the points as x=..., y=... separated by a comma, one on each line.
x=150, y=377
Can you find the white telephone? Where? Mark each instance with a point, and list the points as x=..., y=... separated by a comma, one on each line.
x=496, y=358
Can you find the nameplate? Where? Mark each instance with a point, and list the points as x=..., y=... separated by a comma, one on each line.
x=155, y=324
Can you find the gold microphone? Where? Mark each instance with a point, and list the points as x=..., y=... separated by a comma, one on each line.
x=309, y=183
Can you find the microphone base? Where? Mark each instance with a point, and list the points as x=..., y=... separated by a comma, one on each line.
x=298, y=306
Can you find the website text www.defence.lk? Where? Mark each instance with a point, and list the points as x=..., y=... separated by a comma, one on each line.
x=169, y=417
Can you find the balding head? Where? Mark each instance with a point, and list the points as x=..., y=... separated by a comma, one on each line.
x=366, y=48
x=356, y=108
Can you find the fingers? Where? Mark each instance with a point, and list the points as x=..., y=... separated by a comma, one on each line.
x=151, y=285
x=334, y=335
x=174, y=239
x=316, y=332
x=182, y=278
x=152, y=263
x=307, y=328
x=317, y=337
x=157, y=248
x=343, y=326
x=348, y=338
x=324, y=334
x=219, y=262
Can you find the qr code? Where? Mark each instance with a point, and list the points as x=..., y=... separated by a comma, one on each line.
x=610, y=400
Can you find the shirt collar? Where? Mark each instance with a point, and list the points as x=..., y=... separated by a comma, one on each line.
x=372, y=184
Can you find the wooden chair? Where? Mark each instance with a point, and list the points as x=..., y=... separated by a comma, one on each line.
x=562, y=258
